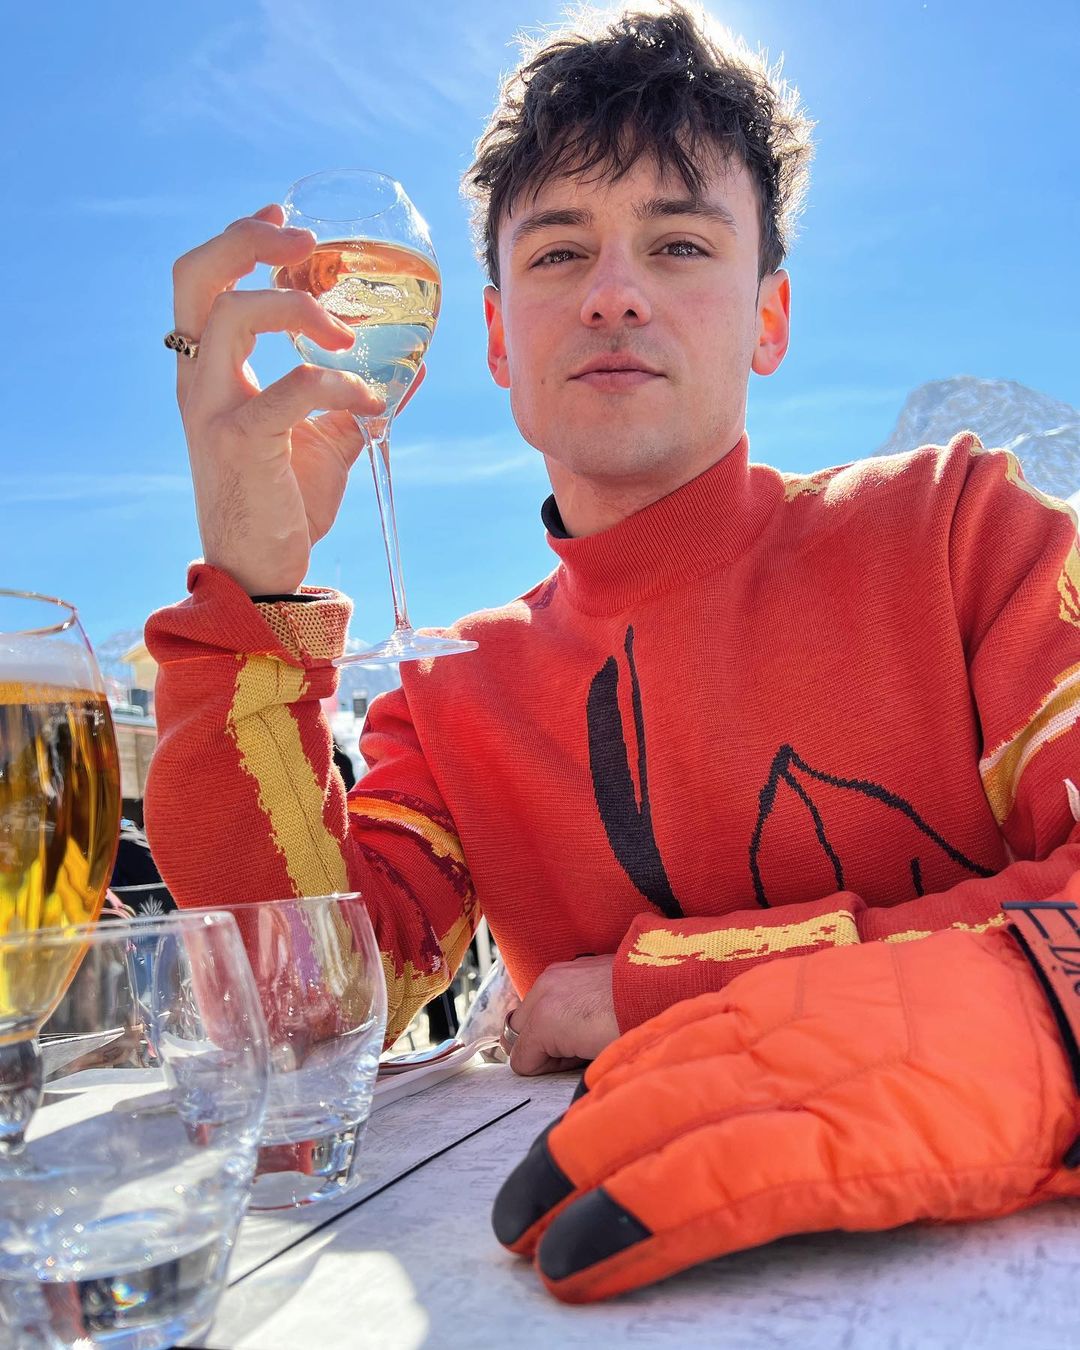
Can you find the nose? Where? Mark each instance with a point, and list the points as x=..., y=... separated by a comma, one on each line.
x=615, y=296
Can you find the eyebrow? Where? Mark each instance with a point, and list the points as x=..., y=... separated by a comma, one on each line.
x=543, y=220
x=654, y=209
x=658, y=207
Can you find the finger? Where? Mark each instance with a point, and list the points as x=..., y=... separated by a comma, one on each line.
x=274, y=213
x=509, y=1033
x=304, y=389
x=528, y=1055
x=548, y=1064
x=605, y=1131
x=737, y=1184
x=333, y=432
x=236, y=317
x=537, y=1049
x=204, y=272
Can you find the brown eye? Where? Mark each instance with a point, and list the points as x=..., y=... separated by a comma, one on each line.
x=555, y=255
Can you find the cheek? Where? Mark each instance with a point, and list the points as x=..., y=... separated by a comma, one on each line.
x=529, y=348
x=720, y=323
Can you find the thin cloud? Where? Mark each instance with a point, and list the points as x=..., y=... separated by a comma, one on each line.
x=831, y=399
x=447, y=463
x=420, y=464
x=80, y=487
x=331, y=68
x=148, y=207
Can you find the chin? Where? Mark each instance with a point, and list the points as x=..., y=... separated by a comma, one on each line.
x=614, y=459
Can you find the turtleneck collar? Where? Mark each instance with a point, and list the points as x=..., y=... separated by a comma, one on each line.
x=707, y=523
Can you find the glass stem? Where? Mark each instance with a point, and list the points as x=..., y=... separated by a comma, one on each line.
x=21, y=1080
x=376, y=432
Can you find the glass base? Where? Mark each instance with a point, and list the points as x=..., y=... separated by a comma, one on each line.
x=287, y=1175
x=406, y=645
x=150, y=1307
x=21, y=1078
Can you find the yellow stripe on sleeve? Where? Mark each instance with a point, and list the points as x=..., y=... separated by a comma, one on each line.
x=1014, y=475
x=409, y=989
x=917, y=934
x=1069, y=588
x=662, y=947
x=442, y=841
x=1001, y=771
x=267, y=738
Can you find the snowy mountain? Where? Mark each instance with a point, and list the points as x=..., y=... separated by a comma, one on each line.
x=1042, y=433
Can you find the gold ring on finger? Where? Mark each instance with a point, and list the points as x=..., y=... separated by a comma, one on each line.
x=182, y=346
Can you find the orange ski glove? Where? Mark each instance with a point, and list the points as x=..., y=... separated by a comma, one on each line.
x=857, y=1088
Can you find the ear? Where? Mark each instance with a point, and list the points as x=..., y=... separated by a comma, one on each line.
x=497, y=360
x=773, y=322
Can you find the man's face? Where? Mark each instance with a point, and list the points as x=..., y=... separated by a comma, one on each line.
x=628, y=319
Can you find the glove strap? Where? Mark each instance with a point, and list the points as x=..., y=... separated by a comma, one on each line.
x=1048, y=932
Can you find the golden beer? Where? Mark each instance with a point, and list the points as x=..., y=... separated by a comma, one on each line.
x=59, y=826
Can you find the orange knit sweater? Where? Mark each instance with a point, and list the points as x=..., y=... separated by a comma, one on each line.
x=766, y=714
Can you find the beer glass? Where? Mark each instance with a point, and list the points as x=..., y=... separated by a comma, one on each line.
x=59, y=823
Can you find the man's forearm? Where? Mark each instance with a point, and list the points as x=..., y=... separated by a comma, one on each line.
x=663, y=961
x=244, y=802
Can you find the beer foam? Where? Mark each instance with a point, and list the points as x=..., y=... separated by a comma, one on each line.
x=41, y=663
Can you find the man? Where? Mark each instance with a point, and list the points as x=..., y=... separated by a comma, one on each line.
x=749, y=715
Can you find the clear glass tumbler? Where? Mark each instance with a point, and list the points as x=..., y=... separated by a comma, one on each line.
x=118, y=1214
x=320, y=979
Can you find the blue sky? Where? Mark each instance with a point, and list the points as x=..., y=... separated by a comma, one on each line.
x=939, y=240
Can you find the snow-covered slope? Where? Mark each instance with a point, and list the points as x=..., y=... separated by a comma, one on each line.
x=1043, y=433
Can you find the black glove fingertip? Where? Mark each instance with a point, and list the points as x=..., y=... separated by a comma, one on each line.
x=535, y=1186
x=590, y=1230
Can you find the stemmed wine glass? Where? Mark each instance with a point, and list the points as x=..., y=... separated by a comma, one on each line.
x=374, y=269
x=59, y=823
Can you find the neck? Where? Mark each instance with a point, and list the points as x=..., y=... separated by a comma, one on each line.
x=588, y=505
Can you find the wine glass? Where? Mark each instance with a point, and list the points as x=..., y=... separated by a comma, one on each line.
x=59, y=822
x=374, y=269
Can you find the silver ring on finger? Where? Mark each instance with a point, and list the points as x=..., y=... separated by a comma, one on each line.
x=181, y=345
x=509, y=1036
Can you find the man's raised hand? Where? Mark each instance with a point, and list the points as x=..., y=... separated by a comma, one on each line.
x=268, y=477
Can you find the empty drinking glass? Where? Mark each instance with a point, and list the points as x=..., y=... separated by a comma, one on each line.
x=119, y=1209
x=323, y=993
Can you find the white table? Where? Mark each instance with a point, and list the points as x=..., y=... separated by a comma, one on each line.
x=410, y=1260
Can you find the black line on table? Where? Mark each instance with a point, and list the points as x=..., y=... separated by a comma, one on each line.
x=333, y=1218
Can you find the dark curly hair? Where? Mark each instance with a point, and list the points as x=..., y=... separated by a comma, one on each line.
x=663, y=81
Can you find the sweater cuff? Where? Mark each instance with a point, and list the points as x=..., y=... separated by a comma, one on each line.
x=1048, y=933
x=307, y=630
x=661, y=962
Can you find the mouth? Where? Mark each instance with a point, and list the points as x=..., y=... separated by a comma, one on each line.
x=613, y=374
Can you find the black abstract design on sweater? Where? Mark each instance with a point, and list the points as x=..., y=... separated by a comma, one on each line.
x=783, y=770
x=627, y=824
